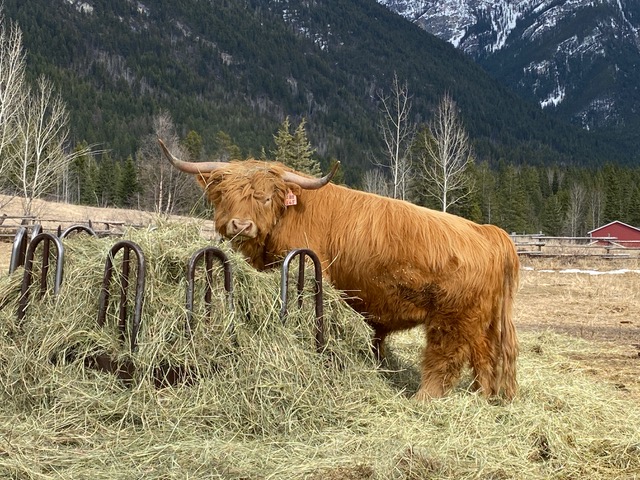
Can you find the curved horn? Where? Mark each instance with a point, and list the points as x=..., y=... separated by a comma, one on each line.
x=190, y=167
x=310, y=183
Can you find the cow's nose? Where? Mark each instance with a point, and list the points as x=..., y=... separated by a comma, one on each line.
x=241, y=226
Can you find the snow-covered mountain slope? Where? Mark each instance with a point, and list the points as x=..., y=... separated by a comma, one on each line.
x=578, y=57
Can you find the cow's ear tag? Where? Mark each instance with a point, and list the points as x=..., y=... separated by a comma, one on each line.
x=290, y=199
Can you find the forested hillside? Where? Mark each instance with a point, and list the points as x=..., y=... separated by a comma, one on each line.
x=240, y=67
x=229, y=75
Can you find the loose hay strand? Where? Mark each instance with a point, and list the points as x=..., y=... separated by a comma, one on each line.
x=262, y=403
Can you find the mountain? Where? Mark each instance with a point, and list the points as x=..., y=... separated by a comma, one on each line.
x=241, y=66
x=579, y=59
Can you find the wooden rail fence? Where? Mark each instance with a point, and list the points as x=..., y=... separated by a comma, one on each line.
x=538, y=245
x=9, y=225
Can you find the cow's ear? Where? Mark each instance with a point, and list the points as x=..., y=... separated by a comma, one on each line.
x=294, y=188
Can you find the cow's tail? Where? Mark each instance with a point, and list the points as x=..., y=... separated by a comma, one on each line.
x=508, y=336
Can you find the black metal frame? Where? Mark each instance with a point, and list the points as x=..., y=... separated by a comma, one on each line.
x=127, y=247
x=77, y=228
x=47, y=238
x=284, y=287
x=208, y=253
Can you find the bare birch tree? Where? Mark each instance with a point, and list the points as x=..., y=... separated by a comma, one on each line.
x=38, y=154
x=575, y=212
x=446, y=154
x=165, y=188
x=12, y=64
x=595, y=206
x=374, y=181
x=398, y=133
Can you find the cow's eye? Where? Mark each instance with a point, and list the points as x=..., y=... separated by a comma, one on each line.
x=264, y=199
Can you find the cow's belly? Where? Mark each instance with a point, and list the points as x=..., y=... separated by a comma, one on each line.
x=389, y=306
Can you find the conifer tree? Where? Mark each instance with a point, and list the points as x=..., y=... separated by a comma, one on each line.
x=109, y=177
x=193, y=145
x=552, y=216
x=512, y=201
x=485, y=181
x=226, y=149
x=283, y=140
x=128, y=187
x=302, y=152
x=613, y=207
x=294, y=150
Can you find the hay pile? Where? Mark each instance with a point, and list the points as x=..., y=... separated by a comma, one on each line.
x=259, y=402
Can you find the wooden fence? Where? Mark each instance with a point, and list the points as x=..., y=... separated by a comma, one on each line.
x=539, y=245
x=9, y=225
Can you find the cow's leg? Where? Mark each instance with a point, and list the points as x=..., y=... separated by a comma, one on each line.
x=443, y=358
x=484, y=338
x=483, y=361
x=377, y=343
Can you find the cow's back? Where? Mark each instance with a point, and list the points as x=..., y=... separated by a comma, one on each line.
x=391, y=255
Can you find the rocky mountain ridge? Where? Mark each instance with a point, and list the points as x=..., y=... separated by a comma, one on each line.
x=578, y=58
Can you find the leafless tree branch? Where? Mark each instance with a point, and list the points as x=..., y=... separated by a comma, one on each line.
x=446, y=156
x=397, y=134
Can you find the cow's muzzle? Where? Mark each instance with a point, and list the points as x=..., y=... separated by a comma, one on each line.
x=241, y=228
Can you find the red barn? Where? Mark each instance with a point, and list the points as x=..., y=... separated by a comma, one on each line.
x=620, y=233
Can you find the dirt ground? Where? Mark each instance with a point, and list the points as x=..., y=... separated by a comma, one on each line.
x=592, y=299
x=595, y=300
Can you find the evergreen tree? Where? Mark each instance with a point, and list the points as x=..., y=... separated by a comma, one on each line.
x=634, y=211
x=512, y=201
x=535, y=201
x=109, y=176
x=485, y=180
x=283, y=140
x=294, y=150
x=129, y=187
x=84, y=170
x=614, y=201
x=193, y=145
x=552, y=216
x=225, y=148
x=302, y=152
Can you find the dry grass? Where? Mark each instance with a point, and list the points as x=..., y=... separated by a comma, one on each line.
x=264, y=404
x=595, y=300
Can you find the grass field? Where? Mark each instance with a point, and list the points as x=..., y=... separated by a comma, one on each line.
x=268, y=406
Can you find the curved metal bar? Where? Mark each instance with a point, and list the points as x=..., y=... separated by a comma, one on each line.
x=47, y=238
x=209, y=253
x=19, y=249
x=284, y=287
x=127, y=246
x=77, y=228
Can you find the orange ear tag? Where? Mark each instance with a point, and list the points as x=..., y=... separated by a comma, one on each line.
x=290, y=199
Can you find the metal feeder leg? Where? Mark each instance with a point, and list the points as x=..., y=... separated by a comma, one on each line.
x=284, y=287
x=128, y=247
x=47, y=238
x=209, y=253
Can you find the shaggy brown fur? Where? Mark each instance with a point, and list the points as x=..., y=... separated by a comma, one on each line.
x=402, y=266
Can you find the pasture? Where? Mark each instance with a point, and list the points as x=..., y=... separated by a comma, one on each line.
x=264, y=404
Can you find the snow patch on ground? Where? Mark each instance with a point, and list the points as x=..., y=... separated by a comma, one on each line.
x=620, y=271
